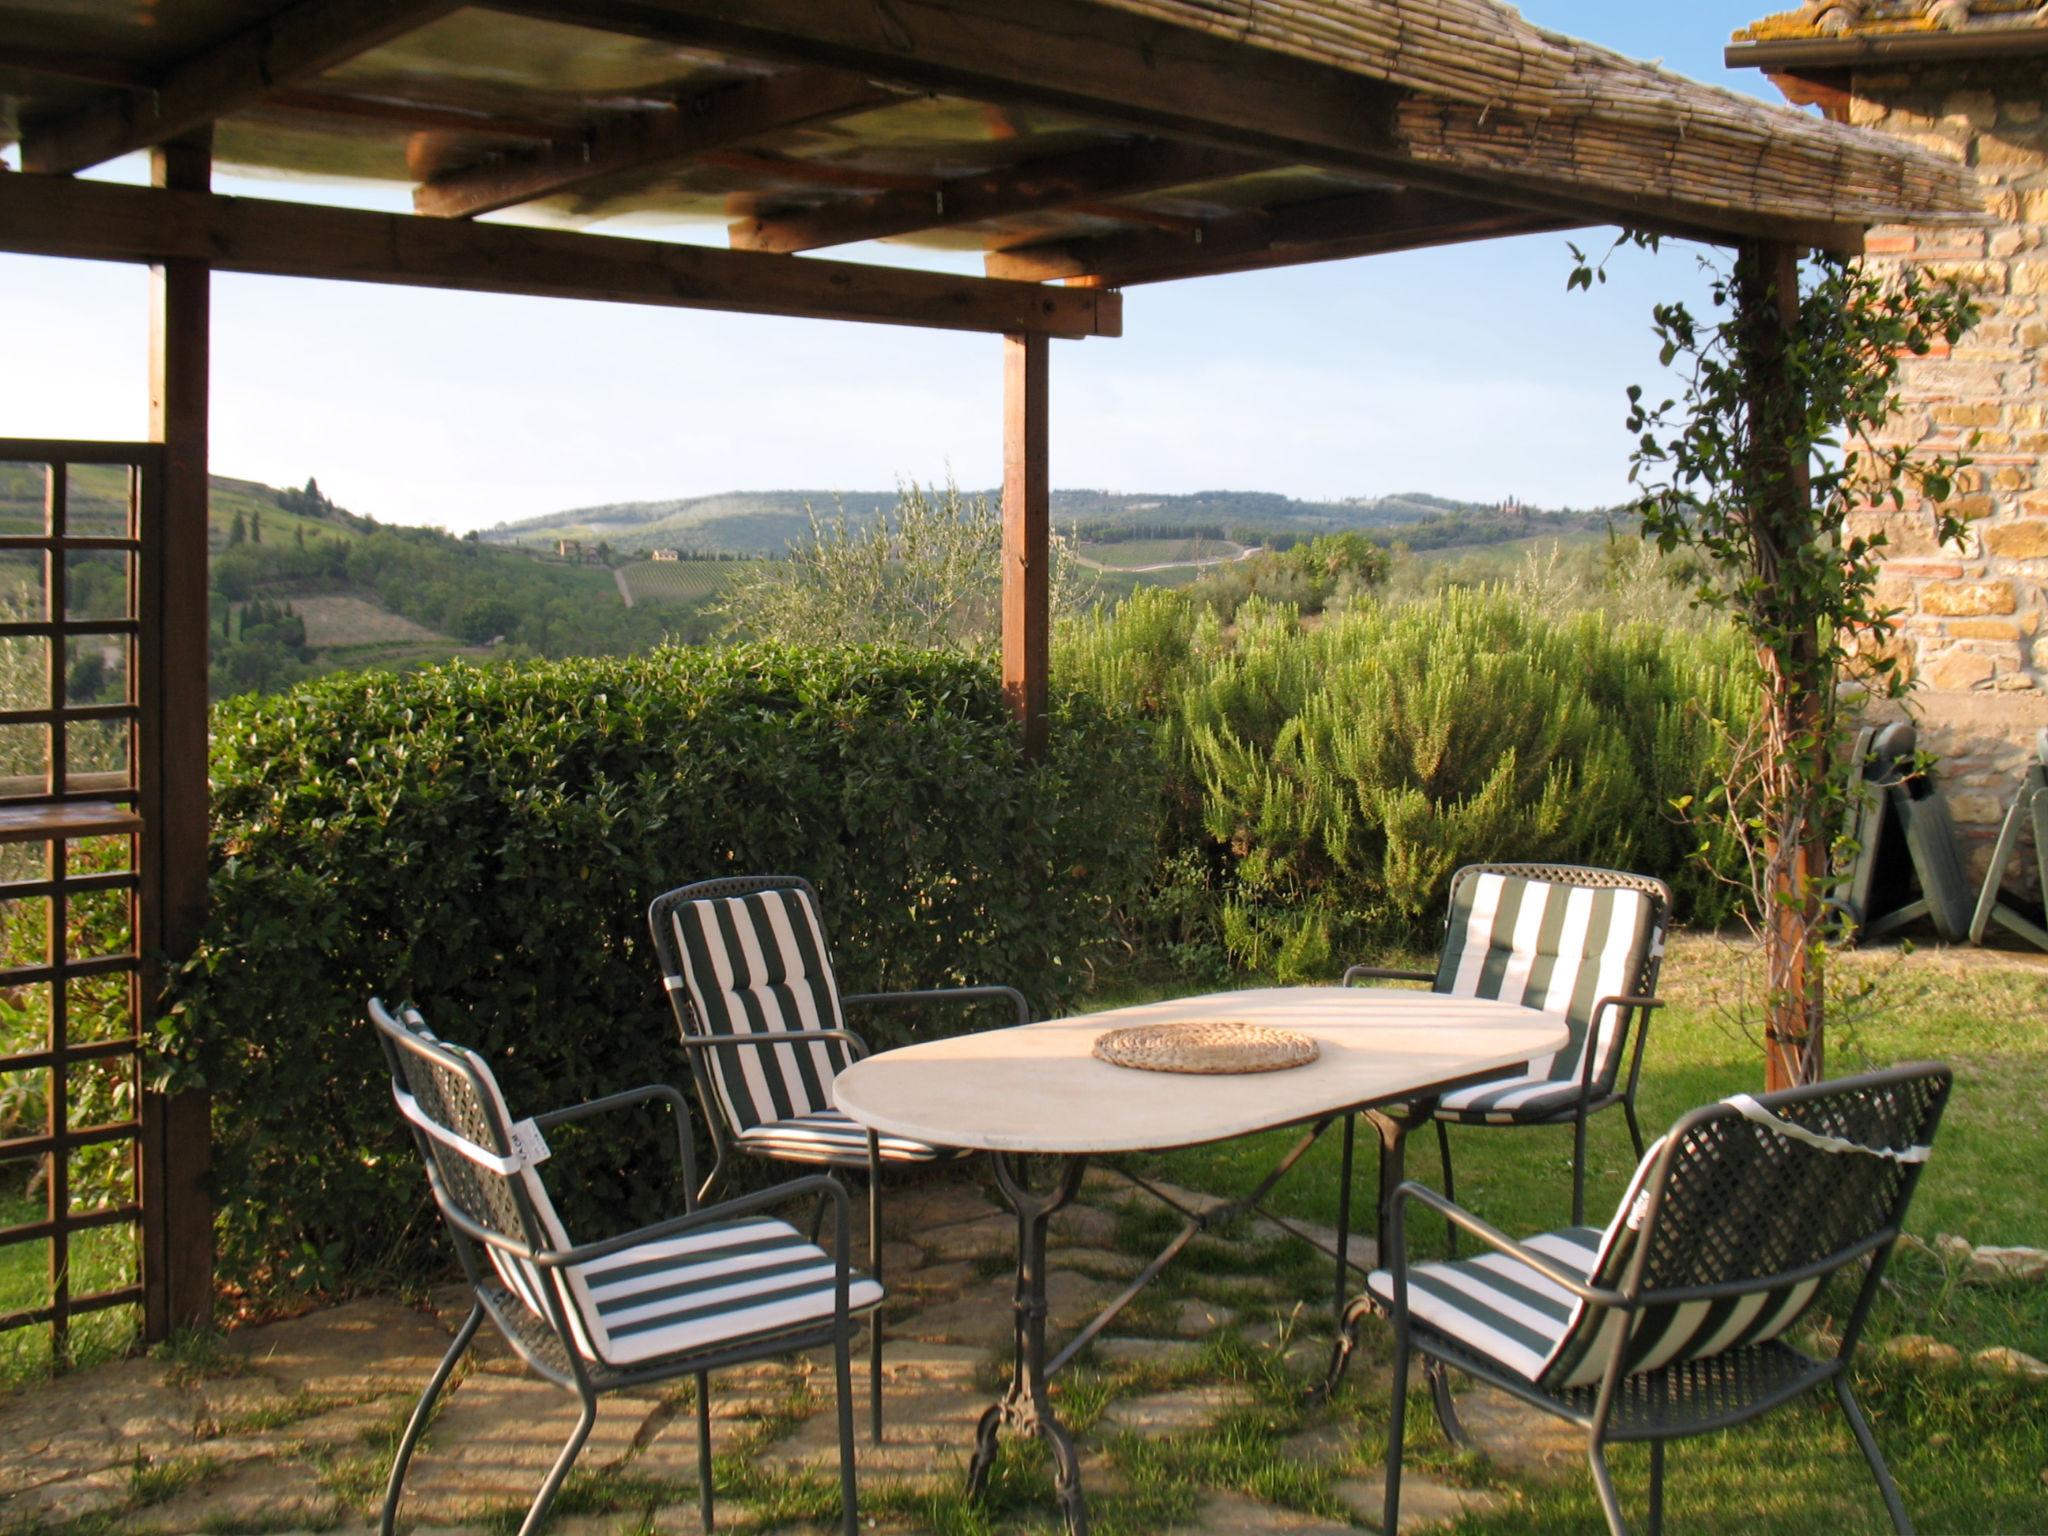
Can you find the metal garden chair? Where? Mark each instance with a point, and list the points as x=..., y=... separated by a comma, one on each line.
x=1583, y=943
x=749, y=974
x=716, y=1286
x=1672, y=1321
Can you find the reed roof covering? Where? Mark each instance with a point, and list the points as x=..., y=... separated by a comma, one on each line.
x=1116, y=141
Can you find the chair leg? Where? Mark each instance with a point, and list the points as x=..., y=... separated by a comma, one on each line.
x=1656, y=1488
x=1871, y=1454
x=537, y=1516
x=1635, y=1128
x=875, y=1317
x=1596, y=1453
x=1443, y=1152
x=1397, y=1414
x=1446, y=1409
x=1579, y=1169
x=423, y=1412
x=849, y=1496
x=704, y=1487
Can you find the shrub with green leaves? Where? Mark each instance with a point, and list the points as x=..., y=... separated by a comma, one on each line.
x=485, y=842
x=1329, y=778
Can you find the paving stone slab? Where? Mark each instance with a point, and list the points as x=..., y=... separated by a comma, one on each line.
x=1168, y=1354
x=986, y=1320
x=1232, y=1514
x=917, y=1212
x=1177, y=1412
x=1081, y=1225
x=497, y=1437
x=929, y=1433
x=1425, y=1503
x=56, y=1440
x=1519, y=1439
x=1197, y=1319
x=932, y=1280
x=269, y=1496
x=973, y=1239
x=361, y=1349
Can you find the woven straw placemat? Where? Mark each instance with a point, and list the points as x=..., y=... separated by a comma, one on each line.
x=1222, y=1046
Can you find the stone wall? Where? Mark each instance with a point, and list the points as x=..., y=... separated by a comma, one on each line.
x=1976, y=618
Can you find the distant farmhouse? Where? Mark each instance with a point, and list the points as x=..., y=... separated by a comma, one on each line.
x=1969, y=80
x=664, y=554
x=578, y=552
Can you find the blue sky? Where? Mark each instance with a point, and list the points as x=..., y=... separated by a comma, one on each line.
x=1468, y=372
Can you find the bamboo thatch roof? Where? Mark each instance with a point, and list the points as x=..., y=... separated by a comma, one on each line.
x=1117, y=140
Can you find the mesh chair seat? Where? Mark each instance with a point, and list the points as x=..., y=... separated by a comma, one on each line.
x=828, y=1136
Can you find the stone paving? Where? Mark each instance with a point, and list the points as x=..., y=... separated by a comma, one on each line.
x=289, y=1426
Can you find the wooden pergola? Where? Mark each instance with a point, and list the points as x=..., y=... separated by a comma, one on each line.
x=1084, y=147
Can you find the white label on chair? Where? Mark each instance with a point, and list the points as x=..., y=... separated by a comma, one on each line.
x=528, y=1142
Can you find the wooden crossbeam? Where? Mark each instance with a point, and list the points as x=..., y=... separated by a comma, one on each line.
x=92, y=70
x=100, y=221
x=710, y=120
x=1035, y=186
x=1149, y=77
x=296, y=44
x=1326, y=229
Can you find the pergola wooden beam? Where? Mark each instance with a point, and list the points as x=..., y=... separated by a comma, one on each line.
x=98, y=221
x=1035, y=186
x=710, y=120
x=92, y=70
x=1327, y=229
x=311, y=37
x=1148, y=77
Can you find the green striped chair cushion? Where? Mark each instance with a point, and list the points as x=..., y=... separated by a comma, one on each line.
x=828, y=1136
x=1554, y=947
x=1497, y=1306
x=758, y=965
x=709, y=1287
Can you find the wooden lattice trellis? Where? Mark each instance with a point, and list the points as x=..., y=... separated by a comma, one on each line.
x=77, y=704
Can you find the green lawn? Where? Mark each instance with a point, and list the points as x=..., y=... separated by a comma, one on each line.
x=1970, y=1449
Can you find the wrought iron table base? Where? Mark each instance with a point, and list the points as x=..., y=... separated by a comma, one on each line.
x=1392, y=1125
x=1026, y=1407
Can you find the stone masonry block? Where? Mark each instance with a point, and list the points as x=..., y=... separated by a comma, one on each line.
x=2026, y=539
x=1958, y=670
x=1968, y=597
x=1982, y=629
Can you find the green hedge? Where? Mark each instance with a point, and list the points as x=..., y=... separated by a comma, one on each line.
x=1323, y=780
x=486, y=841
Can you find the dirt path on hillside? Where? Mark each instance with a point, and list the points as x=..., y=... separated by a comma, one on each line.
x=625, y=592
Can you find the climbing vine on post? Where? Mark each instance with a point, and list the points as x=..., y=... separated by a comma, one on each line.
x=1754, y=469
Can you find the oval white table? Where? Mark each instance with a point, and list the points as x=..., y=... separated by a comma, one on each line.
x=1036, y=1089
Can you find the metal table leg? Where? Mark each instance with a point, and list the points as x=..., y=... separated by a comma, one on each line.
x=1025, y=1408
x=1392, y=1125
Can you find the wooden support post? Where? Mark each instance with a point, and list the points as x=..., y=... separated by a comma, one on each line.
x=177, y=1133
x=1797, y=840
x=1027, y=530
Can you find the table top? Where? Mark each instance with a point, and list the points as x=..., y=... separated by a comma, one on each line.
x=1036, y=1088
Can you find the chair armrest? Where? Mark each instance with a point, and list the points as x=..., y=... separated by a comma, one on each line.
x=1382, y=973
x=775, y=1037
x=662, y=1091
x=945, y=994
x=1488, y=1234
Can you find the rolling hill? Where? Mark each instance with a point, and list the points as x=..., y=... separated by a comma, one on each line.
x=764, y=522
